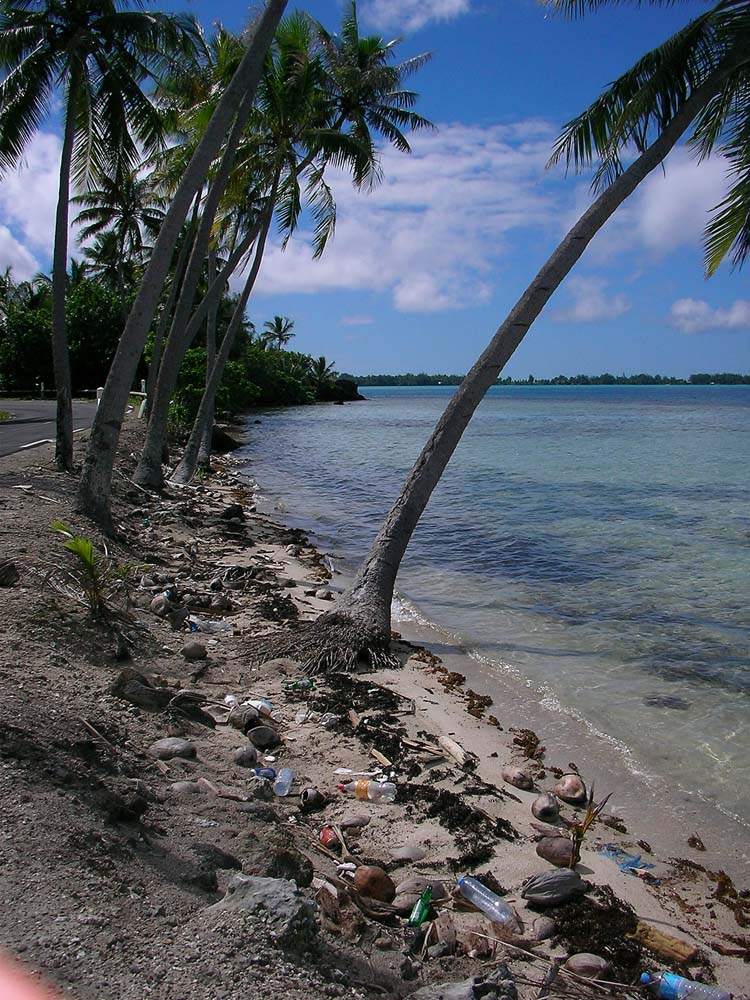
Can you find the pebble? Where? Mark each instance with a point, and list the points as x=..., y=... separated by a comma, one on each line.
x=324, y=595
x=354, y=820
x=172, y=746
x=181, y=788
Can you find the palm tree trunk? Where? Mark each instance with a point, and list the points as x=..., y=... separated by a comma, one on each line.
x=149, y=472
x=166, y=313
x=204, y=452
x=359, y=624
x=93, y=497
x=186, y=468
x=60, y=355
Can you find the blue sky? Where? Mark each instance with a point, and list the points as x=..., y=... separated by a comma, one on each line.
x=423, y=269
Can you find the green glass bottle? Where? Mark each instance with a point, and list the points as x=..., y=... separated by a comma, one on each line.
x=421, y=908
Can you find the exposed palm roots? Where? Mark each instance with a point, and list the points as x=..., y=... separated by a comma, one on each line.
x=334, y=642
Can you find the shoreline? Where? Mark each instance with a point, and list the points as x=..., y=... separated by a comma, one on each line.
x=462, y=817
x=645, y=798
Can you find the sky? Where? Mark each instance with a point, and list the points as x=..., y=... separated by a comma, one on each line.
x=423, y=269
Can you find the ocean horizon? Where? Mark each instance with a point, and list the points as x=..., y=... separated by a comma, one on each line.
x=593, y=542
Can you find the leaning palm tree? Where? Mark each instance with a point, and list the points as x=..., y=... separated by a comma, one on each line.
x=96, y=54
x=278, y=331
x=322, y=375
x=699, y=79
x=93, y=497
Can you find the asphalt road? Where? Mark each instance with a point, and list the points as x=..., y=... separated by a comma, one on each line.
x=33, y=422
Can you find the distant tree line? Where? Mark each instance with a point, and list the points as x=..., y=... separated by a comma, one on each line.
x=422, y=379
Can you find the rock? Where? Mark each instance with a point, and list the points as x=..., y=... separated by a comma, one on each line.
x=233, y=512
x=290, y=915
x=259, y=788
x=546, y=807
x=374, y=882
x=263, y=737
x=245, y=756
x=8, y=573
x=177, y=618
x=324, y=595
x=132, y=686
x=172, y=746
x=194, y=650
x=182, y=788
x=587, y=965
x=353, y=821
x=221, y=603
x=214, y=857
x=161, y=605
x=571, y=788
x=243, y=717
x=221, y=441
x=553, y=888
x=403, y=904
x=498, y=985
x=418, y=885
x=412, y=853
x=517, y=777
x=557, y=850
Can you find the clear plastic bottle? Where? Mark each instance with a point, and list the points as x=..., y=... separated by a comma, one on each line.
x=283, y=781
x=668, y=986
x=489, y=903
x=375, y=791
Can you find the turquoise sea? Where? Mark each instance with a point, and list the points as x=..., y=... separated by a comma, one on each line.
x=594, y=542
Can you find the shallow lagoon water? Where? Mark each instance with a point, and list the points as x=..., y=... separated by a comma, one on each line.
x=592, y=542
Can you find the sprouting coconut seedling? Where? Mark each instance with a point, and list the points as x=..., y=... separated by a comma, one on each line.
x=578, y=830
x=94, y=578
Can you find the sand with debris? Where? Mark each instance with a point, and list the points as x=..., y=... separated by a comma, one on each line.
x=110, y=872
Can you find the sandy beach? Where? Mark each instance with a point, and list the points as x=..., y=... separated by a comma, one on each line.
x=120, y=869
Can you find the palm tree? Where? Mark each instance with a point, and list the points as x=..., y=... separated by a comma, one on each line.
x=97, y=53
x=93, y=497
x=278, y=331
x=322, y=375
x=128, y=206
x=699, y=77
x=308, y=116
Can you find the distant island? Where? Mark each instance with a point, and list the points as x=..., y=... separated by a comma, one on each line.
x=701, y=378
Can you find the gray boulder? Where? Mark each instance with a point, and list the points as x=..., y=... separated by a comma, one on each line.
x=278, y=903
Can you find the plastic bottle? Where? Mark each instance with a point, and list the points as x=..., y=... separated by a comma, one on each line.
x=375, y=791
x=421, y=908
x=283, y=781
x=489, y=903
x=668, y=986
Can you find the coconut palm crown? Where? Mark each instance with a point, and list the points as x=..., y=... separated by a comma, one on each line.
x=639, y=105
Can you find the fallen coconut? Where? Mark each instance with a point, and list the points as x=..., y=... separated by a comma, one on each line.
x=546, y=807
x=374, y=882
x=263, y=737
x=517, y=777
x=243, y=717
x=246, y=756
x=194, y=650
x=588, y=966
x=571, y=788
x=557, y=850
x=417, y=886
x=542, y=928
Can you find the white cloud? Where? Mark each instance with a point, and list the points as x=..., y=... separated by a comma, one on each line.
x=410, y=15
x=696, y=316
x=435, y=229
x=669, y=209
x=28, y=195
x=14, y=255
x=359, y=320
x=591, y=302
